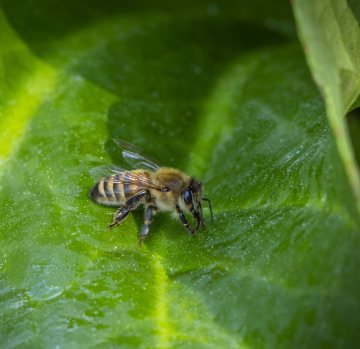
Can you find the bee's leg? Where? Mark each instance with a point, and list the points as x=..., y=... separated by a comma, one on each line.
x=123, y=211
x=184, y=220
x=119, y=216
x=145, y=228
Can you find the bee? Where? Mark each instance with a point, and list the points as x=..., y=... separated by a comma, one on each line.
x=152, y=185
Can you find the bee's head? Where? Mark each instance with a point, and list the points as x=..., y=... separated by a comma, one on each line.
x=191, y=197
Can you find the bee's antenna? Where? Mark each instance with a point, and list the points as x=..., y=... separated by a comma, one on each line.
x=201, y=216
x=212, y=217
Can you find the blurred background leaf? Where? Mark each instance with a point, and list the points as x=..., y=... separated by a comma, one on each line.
x=221, y=91
x=330, y=33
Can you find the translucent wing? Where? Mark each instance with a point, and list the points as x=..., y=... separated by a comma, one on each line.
x=105, y=171
x=117, y=174
x=136, y=157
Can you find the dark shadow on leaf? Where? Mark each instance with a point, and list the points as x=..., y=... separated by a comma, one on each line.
x=161, y=97
x=355, y=8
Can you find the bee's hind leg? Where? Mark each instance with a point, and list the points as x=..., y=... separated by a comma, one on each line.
x=119, y=216
x=123, y=211
x=145, y=228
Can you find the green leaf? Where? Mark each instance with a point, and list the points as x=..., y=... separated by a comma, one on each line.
x=330, y=33
x=220, y=91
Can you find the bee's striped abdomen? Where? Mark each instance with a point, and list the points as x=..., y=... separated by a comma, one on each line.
x=111, y=191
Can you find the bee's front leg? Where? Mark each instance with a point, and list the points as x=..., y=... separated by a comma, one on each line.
x=184, y=220
x=145, y=228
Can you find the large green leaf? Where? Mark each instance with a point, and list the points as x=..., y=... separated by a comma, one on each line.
x=219, y=91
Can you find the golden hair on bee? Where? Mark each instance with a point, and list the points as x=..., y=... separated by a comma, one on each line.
x=150, y=184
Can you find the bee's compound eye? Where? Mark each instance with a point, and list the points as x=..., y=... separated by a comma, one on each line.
x=187, y=196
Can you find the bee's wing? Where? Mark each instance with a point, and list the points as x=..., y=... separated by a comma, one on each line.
x=105, y=171
x=117, y=174
x=136, y=157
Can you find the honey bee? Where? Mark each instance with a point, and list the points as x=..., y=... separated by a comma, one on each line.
x=156, y=187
